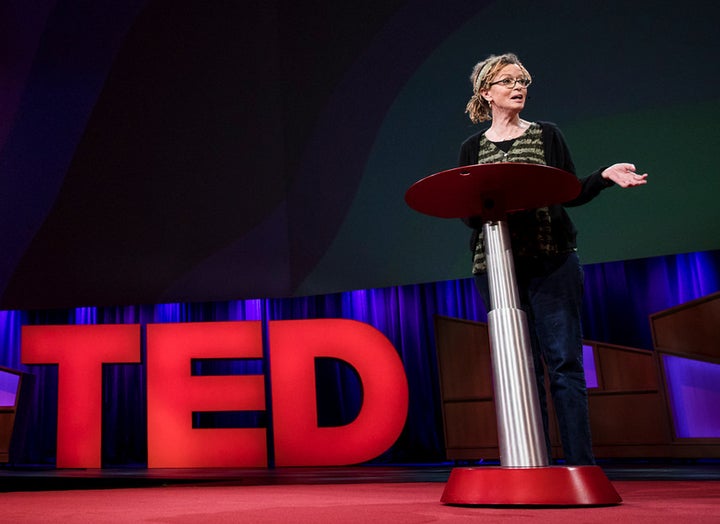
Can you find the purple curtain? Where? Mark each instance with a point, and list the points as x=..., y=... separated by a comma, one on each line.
x=619, y=298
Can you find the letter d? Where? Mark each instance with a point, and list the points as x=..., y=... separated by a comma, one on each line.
x=294, y=346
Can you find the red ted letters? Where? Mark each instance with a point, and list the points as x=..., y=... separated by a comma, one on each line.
x=173, y=394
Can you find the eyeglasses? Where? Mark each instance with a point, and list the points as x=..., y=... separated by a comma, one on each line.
x=510, y=82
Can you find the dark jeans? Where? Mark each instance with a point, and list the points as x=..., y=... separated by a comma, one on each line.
x=551, y=290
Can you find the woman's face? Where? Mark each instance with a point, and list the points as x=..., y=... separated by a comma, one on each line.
x=510, y=96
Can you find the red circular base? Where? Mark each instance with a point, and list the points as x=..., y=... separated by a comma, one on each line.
x=543, y=486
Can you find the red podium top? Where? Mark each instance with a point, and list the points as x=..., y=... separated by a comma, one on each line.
x=491, y=190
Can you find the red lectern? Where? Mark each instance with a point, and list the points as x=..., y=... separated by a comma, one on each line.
x=524, y=476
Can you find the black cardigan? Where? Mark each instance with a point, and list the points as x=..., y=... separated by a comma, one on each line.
x=557, y=155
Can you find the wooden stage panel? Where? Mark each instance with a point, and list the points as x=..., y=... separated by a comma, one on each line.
x=629, y=413
x=479, y=427
x=629, y=418
x=621, y=368
x=691, y=329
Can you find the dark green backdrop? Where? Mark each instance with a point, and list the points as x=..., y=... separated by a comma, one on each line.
x=156, y=151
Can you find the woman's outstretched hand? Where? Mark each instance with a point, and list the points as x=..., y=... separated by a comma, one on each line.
x=624, y=175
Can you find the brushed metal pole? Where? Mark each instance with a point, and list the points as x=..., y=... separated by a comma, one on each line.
x=520, y=431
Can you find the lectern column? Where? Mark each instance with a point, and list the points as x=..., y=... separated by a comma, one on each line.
x=521, y=437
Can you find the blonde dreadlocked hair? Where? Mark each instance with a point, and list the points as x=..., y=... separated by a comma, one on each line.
x=482, y=75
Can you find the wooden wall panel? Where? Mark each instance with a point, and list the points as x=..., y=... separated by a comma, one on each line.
x=620, y=368
x=466, y=389
x=474, y=424
x=8, y=414
x=464, y=360
x=692, y=328
x=628, y=419
x=629, y=414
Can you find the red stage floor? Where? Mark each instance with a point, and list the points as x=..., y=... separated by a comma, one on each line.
x=644, y=501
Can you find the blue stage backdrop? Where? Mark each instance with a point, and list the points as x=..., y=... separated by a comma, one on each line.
x=619, y=298
x=157, y=151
